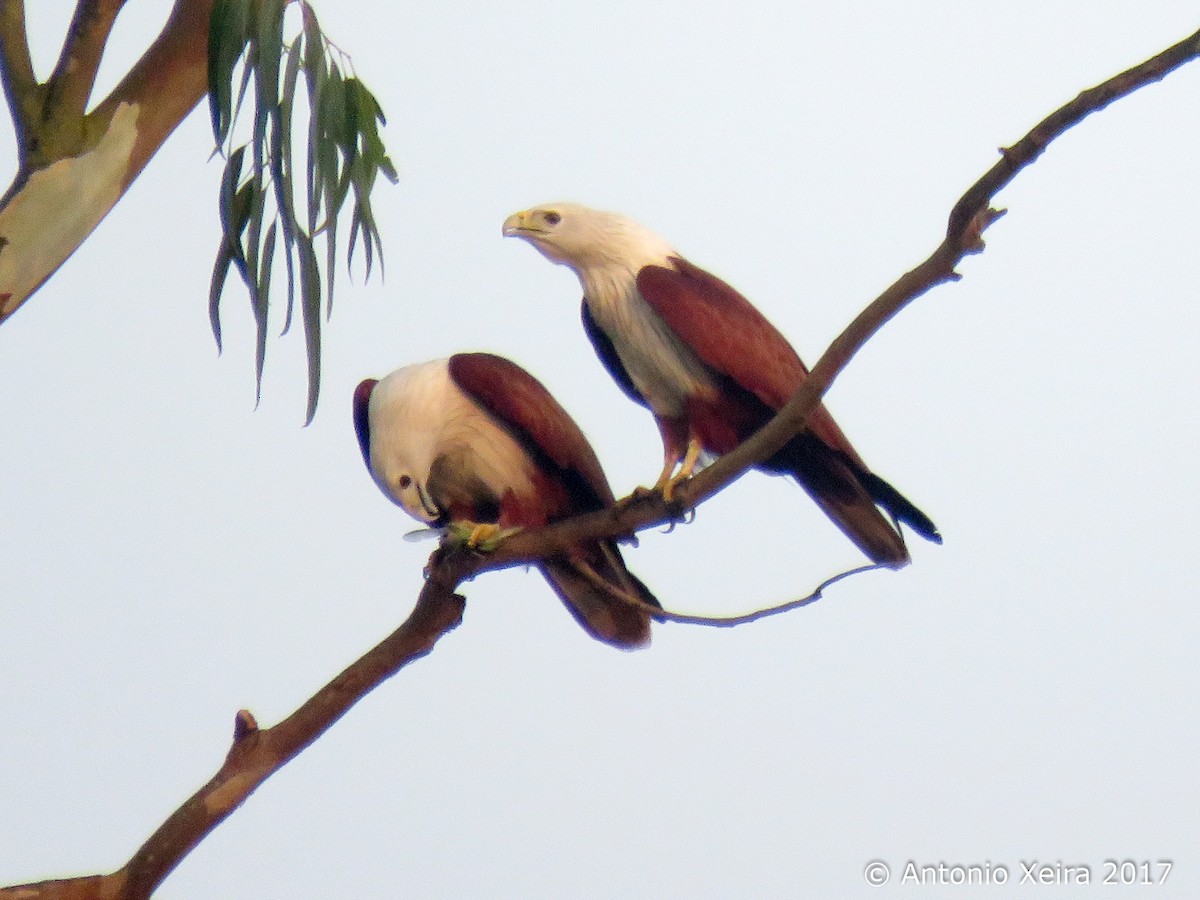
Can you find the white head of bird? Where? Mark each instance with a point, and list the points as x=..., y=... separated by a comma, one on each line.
x=403, y=413
x=588, y=240
x=418, y=420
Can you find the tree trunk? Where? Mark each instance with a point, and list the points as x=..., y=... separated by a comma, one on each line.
x=50, y=209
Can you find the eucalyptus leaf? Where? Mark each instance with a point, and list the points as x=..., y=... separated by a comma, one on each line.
x=264, y=211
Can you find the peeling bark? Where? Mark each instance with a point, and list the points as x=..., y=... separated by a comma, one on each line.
x=59, y=206
x=54, y=204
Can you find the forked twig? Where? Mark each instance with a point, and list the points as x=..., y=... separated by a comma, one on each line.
x=714, y=621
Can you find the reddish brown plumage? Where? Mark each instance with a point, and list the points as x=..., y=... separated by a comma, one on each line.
x=568, y=480
x=734, y=339
x=755, y=371
x=538, y=421
x=708, y=365
x=476, y=438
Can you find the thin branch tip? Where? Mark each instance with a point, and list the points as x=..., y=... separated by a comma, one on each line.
x=244, y=725
x=755, y=615
x=972, y=236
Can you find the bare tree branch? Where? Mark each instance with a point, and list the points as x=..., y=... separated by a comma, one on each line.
x=16, y=71
x=44, y=215
x=70, y=85
x=968, y=220
x=166, y=83
x=49, y=118
x=667, y=615
x=257, y=754
x=15, y=60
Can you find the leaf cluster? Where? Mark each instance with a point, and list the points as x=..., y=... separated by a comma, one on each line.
x=273, y=198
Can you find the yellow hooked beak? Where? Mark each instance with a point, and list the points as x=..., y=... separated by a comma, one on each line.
x=516, y=224
x=536, y=222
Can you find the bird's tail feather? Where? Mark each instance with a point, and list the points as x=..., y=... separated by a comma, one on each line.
x=900, y=507
x=596, y=601
x=862, y=522
x=853, y=497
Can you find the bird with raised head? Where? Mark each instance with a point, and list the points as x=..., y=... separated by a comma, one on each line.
x=709, y=367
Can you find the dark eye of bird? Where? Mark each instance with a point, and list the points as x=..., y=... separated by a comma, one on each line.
x=552, y=218
x=405, y=481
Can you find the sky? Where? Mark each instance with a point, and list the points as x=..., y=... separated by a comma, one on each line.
x=1022, y=695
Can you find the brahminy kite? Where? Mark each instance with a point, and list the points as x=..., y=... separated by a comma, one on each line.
x=477, y=439
x=709, y=366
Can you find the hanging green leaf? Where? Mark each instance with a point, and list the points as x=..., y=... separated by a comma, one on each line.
x=260, y=297
x=226, y=40
x=216, y=285
x=310, y=305
x=263, y=206
x=281, y=170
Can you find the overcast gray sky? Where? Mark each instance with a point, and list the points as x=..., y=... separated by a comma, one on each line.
x=169, y=554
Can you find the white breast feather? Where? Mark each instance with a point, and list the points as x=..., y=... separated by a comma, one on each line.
x=664, y=370
x=417, y=414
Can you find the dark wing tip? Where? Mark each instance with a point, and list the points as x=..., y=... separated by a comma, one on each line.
x=602, y=613
x=901, y=507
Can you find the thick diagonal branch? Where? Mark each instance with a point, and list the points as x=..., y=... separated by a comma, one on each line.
x=257, y=754
x=62, y=192
x=969, y=217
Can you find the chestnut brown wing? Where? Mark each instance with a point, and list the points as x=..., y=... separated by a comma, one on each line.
x=531, y=414
x=733, y=338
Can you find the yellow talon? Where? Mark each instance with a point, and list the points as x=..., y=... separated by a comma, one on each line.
x=482, y=536
x=481, y=533
x=664, y=478
x=668, y=489
x=686, y=468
